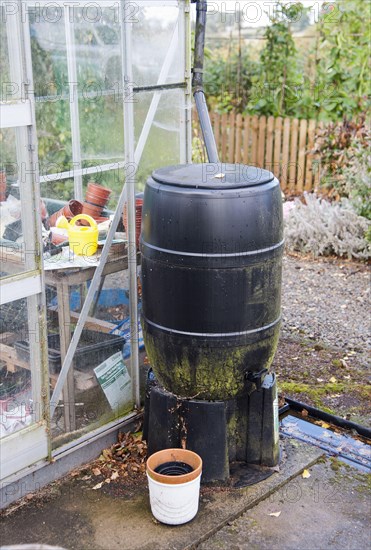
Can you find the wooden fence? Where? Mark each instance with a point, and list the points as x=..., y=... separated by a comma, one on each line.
x=282, y=145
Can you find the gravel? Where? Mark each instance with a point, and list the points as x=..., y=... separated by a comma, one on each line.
x=329, y=302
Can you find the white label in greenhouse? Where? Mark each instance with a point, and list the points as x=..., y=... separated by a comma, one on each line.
x=115, y=380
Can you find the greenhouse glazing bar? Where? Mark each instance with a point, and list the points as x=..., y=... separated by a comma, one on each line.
x=73, y=98
x=130, y=174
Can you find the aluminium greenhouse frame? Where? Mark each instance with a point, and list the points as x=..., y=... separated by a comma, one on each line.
x=20, y=113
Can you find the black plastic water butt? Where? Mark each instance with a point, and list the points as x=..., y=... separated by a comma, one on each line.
x=212, y=243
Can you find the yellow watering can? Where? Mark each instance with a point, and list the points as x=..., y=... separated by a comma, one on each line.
x=83, y=240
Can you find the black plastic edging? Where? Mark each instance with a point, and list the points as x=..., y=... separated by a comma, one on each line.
x=327, y=417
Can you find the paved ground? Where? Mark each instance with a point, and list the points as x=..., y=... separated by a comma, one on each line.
x=328, y=510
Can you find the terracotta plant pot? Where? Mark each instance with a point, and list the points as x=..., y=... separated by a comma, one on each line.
x=59, y=236
x=71, y=209
x=92, y=210
x=138, y=218
x=94, y=200
x=97, y=194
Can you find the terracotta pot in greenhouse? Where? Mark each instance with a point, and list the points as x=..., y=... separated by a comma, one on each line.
x=97, y=194
x=92, y=210
x=71, y=209
x=138, y=217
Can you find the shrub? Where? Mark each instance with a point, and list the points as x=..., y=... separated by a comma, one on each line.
x=323, y=228
x=340, y=145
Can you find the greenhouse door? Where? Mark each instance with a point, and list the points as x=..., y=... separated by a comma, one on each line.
x=23, y=355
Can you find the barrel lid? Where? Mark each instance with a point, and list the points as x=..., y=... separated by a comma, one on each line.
x=212, y=175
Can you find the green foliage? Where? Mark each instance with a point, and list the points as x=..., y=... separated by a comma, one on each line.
x=343, y=60
x=344, y=169
x=325, y=79
x=357, y=176
x=228, y=85
x=275, y=89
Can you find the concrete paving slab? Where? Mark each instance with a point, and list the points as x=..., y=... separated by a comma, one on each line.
x=78, y=518
x=329, y=510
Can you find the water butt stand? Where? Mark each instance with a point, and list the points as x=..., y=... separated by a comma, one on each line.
x=212, y=243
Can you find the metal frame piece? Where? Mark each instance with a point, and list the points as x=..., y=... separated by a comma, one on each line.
x=30, y=283
x=74, y=99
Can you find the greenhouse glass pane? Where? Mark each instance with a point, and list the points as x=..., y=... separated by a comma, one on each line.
x=155, y=35
x=97, y=36
x=5, y=79
x=11, y=76
x=101, y=130
x=163, y=145
x=16, y=403
x=12, y=246
x=49, y=63
x=55, y=191
x=97, y=49
x=101, y=366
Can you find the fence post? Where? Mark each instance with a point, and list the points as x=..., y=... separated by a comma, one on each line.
x=301, y=155
x=277, y=148
x=261, y=141
x=246, y=140
x=238, y=155
x=285, y=154
x=254, y=141
x=309, y=169
x=269, y=145
x=224, y=135
x=293, y=154
x=231, y=140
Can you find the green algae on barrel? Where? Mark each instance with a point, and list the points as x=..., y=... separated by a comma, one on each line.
x=212, y=241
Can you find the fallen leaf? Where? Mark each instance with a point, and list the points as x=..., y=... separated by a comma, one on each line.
x=275, y=514
x=85, y=478
x=332, y=380
x=96, y=471
x=115, y=475
x=97, y=486
x=107, y=480
x=324, y=424
x=305, y=474
x=304, y=413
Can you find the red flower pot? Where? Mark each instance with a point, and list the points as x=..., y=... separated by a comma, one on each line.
x=97, y=194
x=138, y=218
x=71, y=209
x=92, y=210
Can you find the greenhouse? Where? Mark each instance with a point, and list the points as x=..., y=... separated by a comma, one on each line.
x=91, y=93
x=185, y=236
